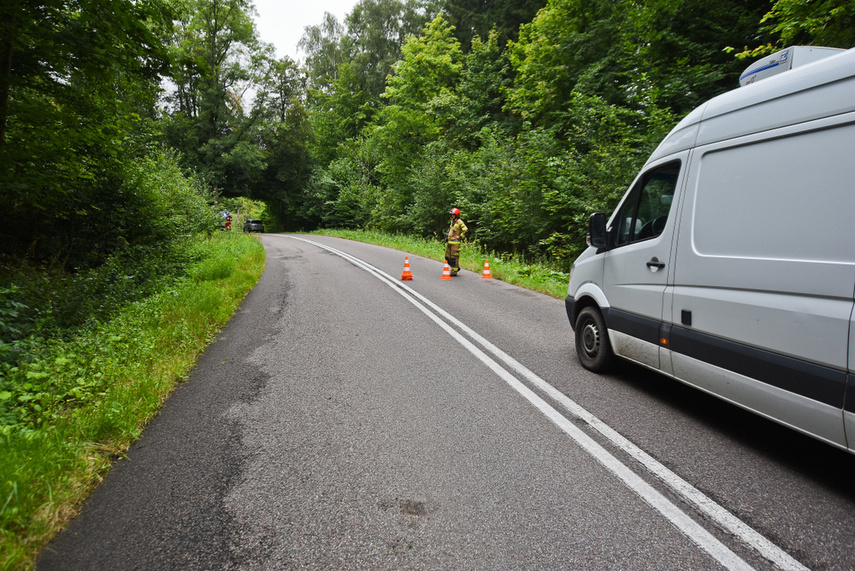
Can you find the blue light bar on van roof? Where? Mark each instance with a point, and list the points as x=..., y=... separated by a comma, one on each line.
x=784, y=60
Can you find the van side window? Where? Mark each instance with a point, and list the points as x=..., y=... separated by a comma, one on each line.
x=645, y=211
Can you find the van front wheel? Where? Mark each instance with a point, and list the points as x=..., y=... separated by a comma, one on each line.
x=592, y=340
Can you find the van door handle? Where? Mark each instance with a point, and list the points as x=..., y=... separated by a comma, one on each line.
x=655, y=265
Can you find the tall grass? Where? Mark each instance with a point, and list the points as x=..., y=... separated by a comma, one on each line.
x=87, y=398
x=540, y=277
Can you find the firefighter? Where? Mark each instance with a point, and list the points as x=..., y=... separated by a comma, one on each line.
x=455, y=233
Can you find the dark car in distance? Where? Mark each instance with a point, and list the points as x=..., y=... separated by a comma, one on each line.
x=253, y=226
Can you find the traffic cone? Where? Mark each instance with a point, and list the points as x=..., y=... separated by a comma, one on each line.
x=486, y=275
x=446, y=272
x=407, y=275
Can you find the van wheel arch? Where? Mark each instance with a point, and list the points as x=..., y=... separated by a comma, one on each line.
x=593, y=346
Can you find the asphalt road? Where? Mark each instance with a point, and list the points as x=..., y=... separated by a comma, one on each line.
x=344, y=420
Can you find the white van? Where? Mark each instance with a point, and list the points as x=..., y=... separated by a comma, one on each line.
x=730, y=262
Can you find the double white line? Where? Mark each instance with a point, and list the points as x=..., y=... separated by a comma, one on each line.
x=682, y=521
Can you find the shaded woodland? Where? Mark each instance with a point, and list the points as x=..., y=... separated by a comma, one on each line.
x=124, y=125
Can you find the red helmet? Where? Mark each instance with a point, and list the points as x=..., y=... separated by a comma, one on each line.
x=455, y=212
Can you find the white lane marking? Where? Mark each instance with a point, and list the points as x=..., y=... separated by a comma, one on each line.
x=717, y=513
x=704, y=504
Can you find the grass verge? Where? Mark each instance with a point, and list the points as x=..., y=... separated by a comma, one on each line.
x=94, y=393
x=506, y=267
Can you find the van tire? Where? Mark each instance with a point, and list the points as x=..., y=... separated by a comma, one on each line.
x=592, y=341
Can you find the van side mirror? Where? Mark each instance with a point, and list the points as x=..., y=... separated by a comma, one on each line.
x=597, y=236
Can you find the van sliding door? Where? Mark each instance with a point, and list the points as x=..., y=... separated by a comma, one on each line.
x=765, y=268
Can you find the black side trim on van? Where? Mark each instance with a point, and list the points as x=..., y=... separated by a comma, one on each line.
x=637, y=326
x=810, y=380
x=817, y=382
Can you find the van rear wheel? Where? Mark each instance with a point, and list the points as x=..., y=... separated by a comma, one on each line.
x=592, y=340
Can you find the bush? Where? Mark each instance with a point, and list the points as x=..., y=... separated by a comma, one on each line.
x=139, y=202
x=164, y=203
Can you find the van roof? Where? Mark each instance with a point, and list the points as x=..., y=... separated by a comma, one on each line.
x=820, y=89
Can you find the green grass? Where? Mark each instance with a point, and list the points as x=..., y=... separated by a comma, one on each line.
x=505, y=267
x=86, y=399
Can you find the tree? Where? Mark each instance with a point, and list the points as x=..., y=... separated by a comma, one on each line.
x=345, y=100
x=566, y=41
x=45, y=44
x=665, y=52
x=277, y=143
x=478, y=101
x=829, y=23
x=284, y=181
x=476, y=18
x=259, y=153
x=323, y=47
x=431, y=65
x=825, y=23
x=675, y=50
x=215, y=52
x=428, y=72
x=76, y=80
x=280, y=89
x=340, y=115
x=376, y=31
x=345, y=192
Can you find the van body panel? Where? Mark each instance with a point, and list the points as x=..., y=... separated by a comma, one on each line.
x=801, y=413
x=811, y=77
x=790, y=184
x=817, y=382
x=745, y=287
x=681, y=138
x=591, y=289
x=790, y=109
x=753, y=264
x=635, y=349
x=765, y=266
x=809, y=329
x=849, y=427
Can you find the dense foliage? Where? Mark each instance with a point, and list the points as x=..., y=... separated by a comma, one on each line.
x=125, y=127
x=527, y=114
x=78, y=81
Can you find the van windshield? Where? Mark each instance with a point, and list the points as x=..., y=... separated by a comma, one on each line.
x=645, y=211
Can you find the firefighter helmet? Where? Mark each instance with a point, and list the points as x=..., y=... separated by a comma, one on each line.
x=455, y=212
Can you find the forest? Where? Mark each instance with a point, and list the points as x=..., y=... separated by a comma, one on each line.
x=126, y=124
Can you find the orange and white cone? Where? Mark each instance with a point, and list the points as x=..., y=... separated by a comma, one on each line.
x=486, y=275
x=407, y=275
x=446, y=272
